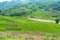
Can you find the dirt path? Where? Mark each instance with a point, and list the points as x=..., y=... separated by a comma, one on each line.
x=41, y=20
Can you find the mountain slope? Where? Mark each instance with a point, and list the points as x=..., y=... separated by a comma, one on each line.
x=39, y=9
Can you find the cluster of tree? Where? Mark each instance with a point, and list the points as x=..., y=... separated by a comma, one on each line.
x=6, y=8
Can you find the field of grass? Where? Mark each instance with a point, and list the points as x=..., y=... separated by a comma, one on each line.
x=16, y=25
x=24, y=24
x=21, y=38
x=8, y=38
x=44, y=14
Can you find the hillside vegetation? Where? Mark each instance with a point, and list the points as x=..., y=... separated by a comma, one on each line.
x=14, y=16
x=23, y=24
x=44, y=10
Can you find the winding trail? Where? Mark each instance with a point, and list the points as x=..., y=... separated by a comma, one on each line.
x=42, y=20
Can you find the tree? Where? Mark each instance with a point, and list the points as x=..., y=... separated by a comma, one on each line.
x=0, y=11
x=57, y=21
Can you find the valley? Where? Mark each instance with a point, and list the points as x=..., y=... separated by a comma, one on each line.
x=34, y=20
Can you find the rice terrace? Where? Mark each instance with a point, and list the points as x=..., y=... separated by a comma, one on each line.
x=29, y=19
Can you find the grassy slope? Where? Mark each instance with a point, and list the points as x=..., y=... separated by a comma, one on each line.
x=44, y=14
x=27, y=25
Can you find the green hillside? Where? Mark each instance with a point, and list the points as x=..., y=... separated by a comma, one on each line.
x=23, y=24
x=45, y=10
x=14, y=16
